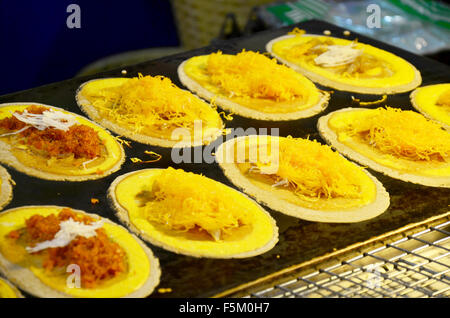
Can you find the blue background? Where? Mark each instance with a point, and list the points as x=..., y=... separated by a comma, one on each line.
x=37, y=47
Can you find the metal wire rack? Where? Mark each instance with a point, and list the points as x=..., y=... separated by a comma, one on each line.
x=417, y=265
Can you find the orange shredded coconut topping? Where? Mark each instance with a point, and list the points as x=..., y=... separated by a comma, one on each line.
x=98, y=257
x=80, y=140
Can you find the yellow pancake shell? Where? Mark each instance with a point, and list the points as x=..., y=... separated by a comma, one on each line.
x=7, y=290
x=424, y=100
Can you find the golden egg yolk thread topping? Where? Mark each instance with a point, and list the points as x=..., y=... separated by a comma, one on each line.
x=296, y=31
x=313, y=171
x=184, y=201
x=98, y=257
x=123, y=141
x=361, y=103
x=150, y=102
x=81, y=141
x=156, y=156
x=253, y=75
x=228, y=117
x=403, y=134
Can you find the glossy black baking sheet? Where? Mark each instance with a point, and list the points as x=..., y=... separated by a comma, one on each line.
x=300, y=240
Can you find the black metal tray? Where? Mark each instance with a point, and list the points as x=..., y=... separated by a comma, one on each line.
x=300, y=240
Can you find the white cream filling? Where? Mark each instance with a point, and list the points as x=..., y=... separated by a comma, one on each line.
x=48, y=119
x=337, y=55
x=69, y=230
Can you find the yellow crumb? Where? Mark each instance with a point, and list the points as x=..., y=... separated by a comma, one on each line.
x=164, y=290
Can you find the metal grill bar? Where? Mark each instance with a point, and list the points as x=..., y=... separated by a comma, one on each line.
x=400, y=281
x=439, y=230
x=386, y=292
x=420, y=256
x=433, y=244
x=414, y=266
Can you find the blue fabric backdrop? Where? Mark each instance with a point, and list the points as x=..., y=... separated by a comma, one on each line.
x=37, y=47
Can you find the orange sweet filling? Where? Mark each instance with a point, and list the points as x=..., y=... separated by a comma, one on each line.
x=98, y=257
x=80, y=140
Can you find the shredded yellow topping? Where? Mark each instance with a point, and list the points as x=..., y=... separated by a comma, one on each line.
x=253, y=75
x=184, y=201
x=404, y=134
x=314, y=171
x=378, y=101
x=297, y=31
x=164, y=290
x=150, y=102
x=123, y=141
x=156, y=156
x=228, y=117
x=444, y=99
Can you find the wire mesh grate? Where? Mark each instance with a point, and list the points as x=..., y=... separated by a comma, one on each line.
x=416, y=266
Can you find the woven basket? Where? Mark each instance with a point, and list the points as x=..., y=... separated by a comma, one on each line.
x=200, y=21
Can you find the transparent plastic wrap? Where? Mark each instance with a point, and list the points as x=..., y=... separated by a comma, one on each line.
x=421, y=27
x=397, y=26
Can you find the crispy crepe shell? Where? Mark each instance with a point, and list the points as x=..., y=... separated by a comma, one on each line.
x=267, y=198
x=123, y=215
x=244, y=111
x=418, y=107
x=90, y=111
x=6, y=190
x=331, y=138
x=14, y=288
x=390, y=89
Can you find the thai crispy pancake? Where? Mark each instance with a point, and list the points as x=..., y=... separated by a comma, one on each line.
x=302, y=178
x=41, y=247
x=191, y=214
x=433, y=101
x=401, y=144
x=345, y=65
x=151, y=110
x=50, y=143
x=252, y=85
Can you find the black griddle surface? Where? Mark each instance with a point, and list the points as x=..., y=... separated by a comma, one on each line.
x=300, y=240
